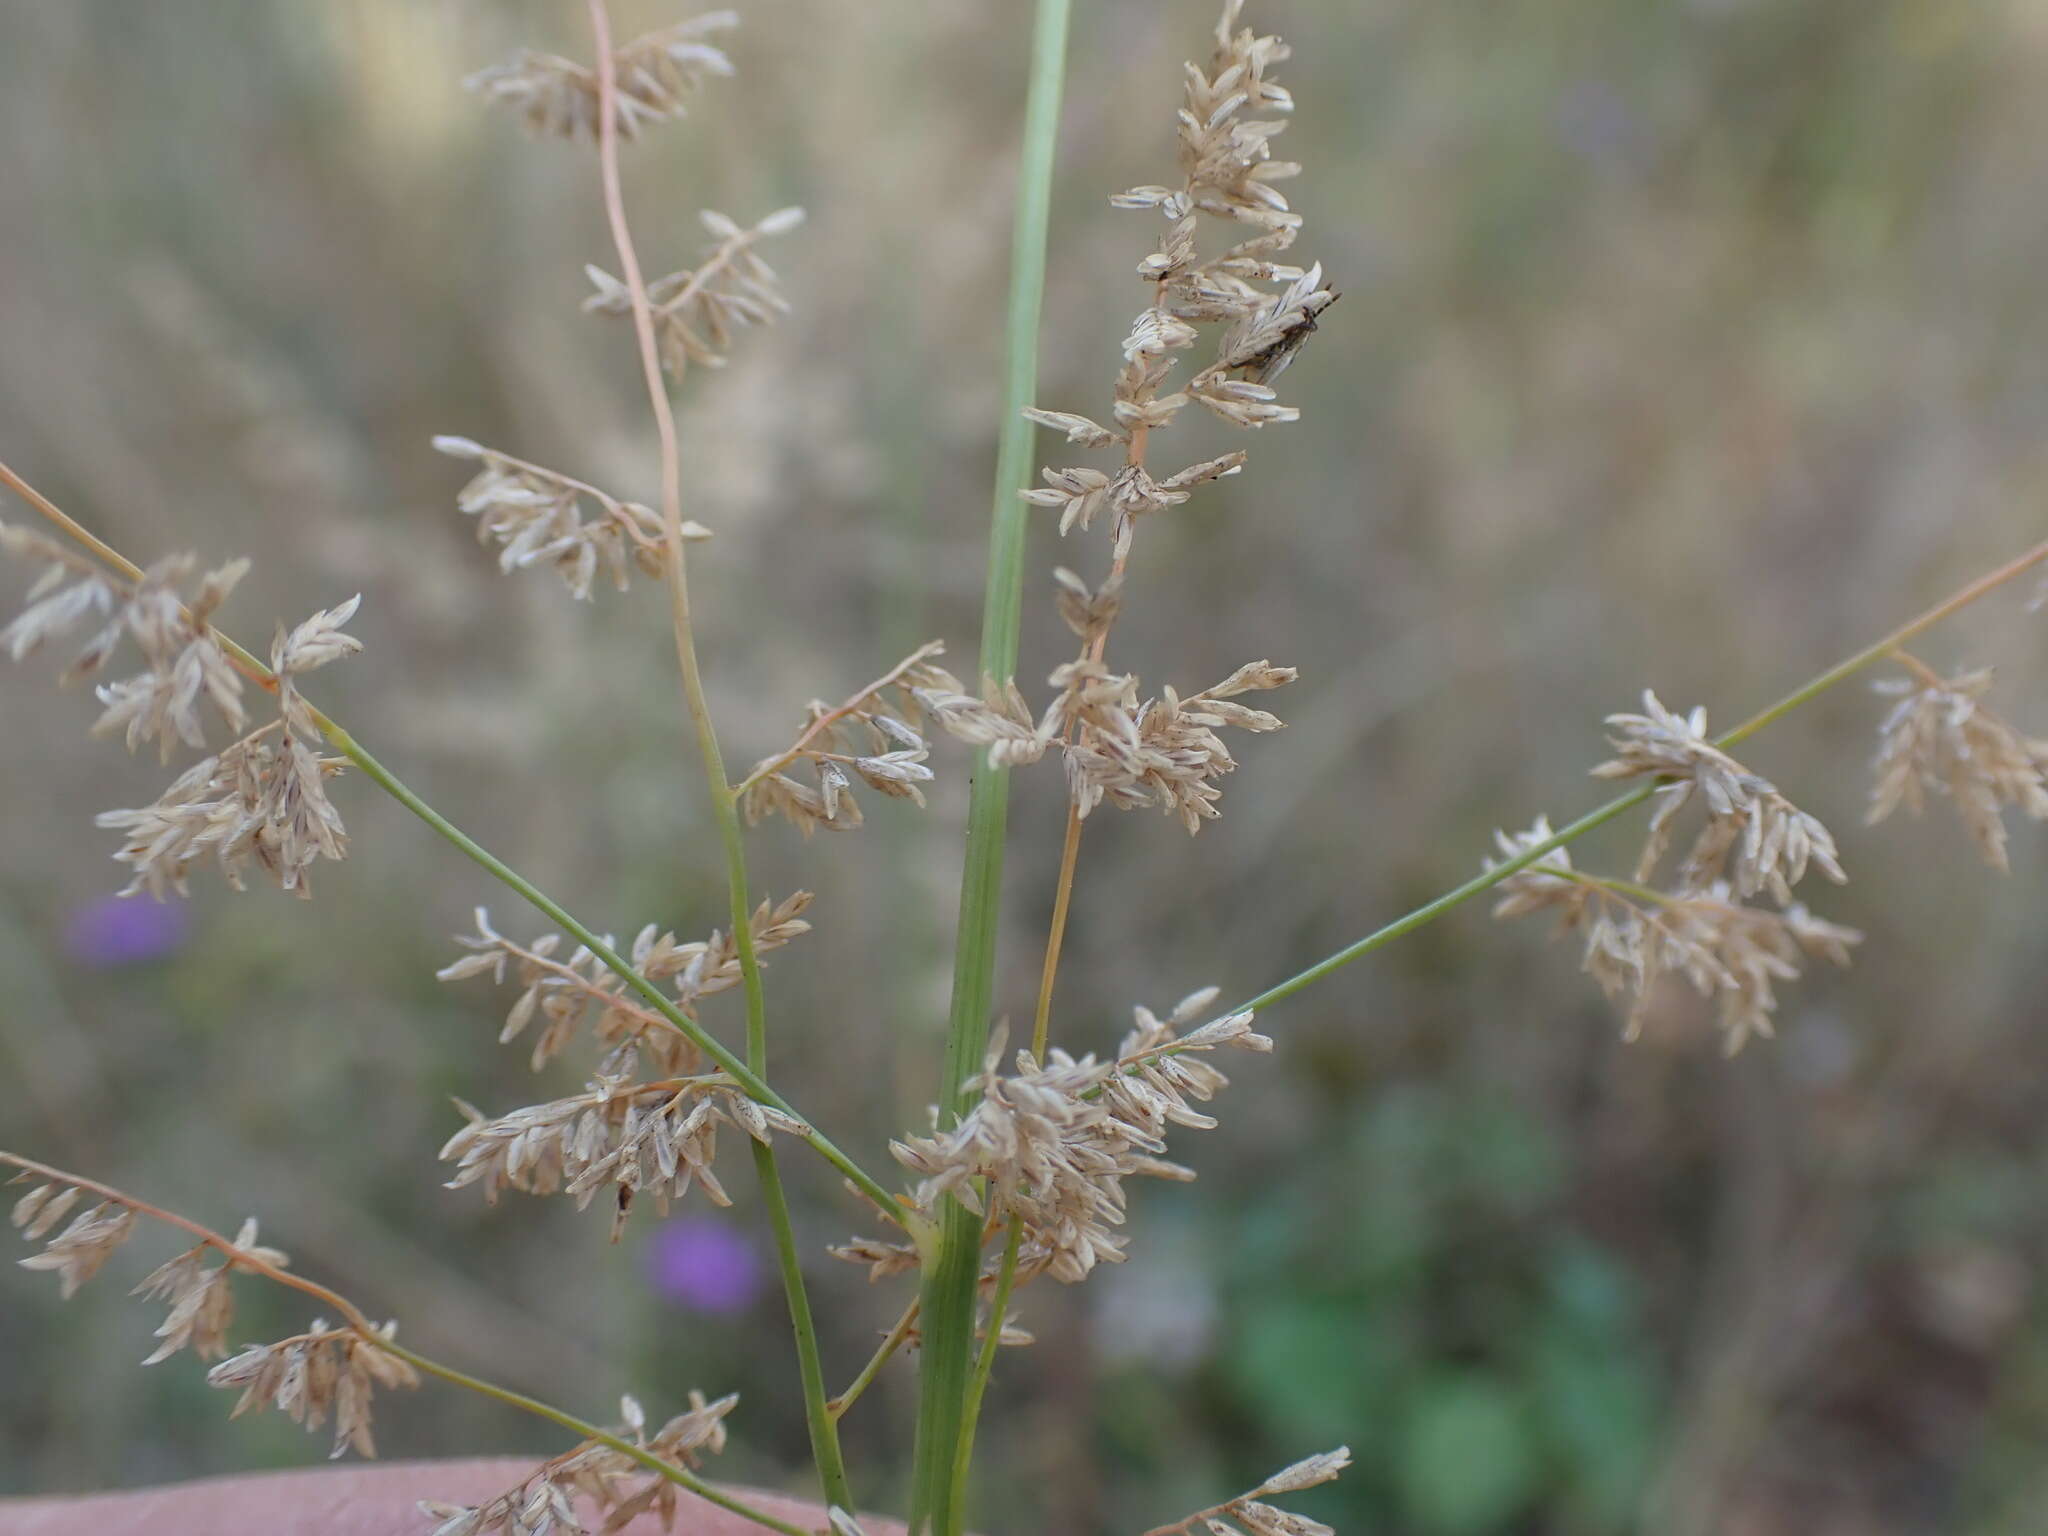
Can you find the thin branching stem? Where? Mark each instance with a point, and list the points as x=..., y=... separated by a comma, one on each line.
x=359, y=1324
x=824, y=1431
x=750, y=1082
x=891, y=1342
x=1811, y=689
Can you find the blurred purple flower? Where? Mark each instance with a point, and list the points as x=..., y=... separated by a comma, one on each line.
x=704, y=1265
x=115, y=931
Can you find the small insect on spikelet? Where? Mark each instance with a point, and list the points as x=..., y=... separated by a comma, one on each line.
x=1941, y=739
x=1119, y=746
x=262, y=799
x=619, y=1134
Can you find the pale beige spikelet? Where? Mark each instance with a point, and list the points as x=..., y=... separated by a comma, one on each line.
x=1550, y=884
x=321, y=1371
x=568, y=994
x=656, y=73
x=1165, y=750
x=70, y=590
x=699, y=313
x=536, y=517
x=998, y=721
x=1249, y=1515
x=185, y=664
x=1942, y=739
x=661, y=1137
x=201, y=1300
x=262, y=799
x=1731, y=953
x=185, y=660
x=876, y=737
x=1049, y=1146
x=1754, y=834
x=543, y=1503
x=79, y=1250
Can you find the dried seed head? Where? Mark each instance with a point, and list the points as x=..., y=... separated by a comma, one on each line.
x=536, y=516
x=697, y=314
x=613, y=1482
x=1941, y=739
x=77, y=1252
x=655, y=74
x=1163, y=751
x=1246, y=1514
x=1634, y=937
x=1771, y=841
x=315, y=1373
x=185, y=664
x=661, y=1137
x=875, y=737
x=1053, y=1143
x=260, y=802
x=568, y=994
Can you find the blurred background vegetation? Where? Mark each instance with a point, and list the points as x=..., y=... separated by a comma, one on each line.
x=1687, y=344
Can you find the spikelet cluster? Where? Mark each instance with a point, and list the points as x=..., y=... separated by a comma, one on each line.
x=1762, y=840
x=1120, y=747
x=1705, y=929
x=536, y=516
x=1942, y=739
x=619, y=1487
x=1634, y=937
x=78, y=1251
x=307, y=1377
x=184, y=665
x=323, y=1370
x=202, y=1302
x=1049, y=1146
x=1249, y=1514
x=262, y=800
x=876, y=737
x=621, y=1135
x=568, y=994
x=656, y=73
x=699, y=313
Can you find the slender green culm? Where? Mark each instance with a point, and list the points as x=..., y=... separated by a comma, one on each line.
x=950, y=1274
